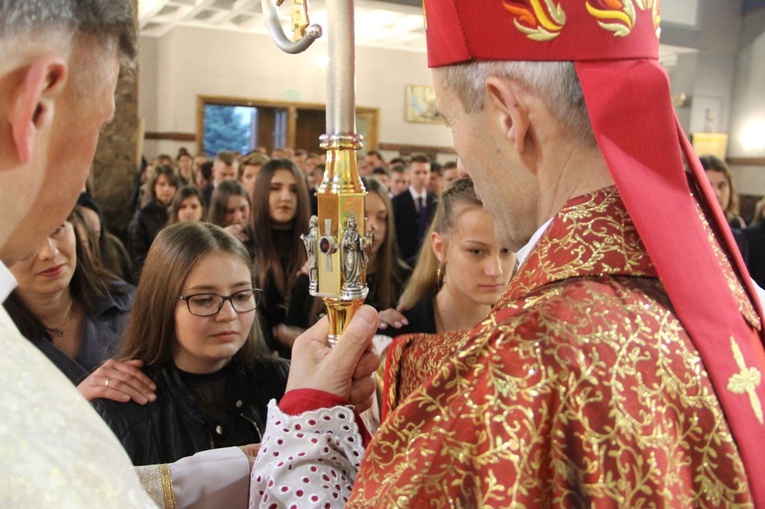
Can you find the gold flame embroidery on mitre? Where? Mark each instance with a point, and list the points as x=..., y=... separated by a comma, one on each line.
x=539, y=22
x=619, y=16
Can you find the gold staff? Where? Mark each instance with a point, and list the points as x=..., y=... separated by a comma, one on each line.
x=337, y=247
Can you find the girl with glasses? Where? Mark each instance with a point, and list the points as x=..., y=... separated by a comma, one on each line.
x=193, y=326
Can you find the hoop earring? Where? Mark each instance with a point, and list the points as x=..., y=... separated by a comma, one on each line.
x=441, y=277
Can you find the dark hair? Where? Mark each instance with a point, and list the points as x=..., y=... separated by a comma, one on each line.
x=150, y=333
x=419, y=157
x=97, y=245
x=713, y=163
x=166, y=171
x=206, y=170
x=390, y=268
x=219, y=200
x=397, y=168
x=449, y=165
x=89, y=285
x=103, y=19
x=227, y=157
x=379, y=170
x=267, y=263
x=181, y=194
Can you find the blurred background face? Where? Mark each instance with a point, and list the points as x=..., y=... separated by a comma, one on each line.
x=398, y=183
x=237, y=211
x=310, y=165
x=434, y=183
x=282, y=199
x=190, y=210
x=383, y=179
x=477, y=267
x=223, y=171
x=377, y=217
x=721, y=187
x=448, y=175
x=51, y=268
x=419, y=175
x=91, y=216
x=164, y=190
x=249, y=173
x=184, y=166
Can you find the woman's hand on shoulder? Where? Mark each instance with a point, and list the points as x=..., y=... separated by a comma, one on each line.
x=393, y=318
x=121, y=381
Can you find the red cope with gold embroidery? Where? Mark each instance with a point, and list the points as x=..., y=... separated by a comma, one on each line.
x=614, y=46
x=582, y=388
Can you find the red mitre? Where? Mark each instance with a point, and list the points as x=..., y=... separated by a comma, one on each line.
x=614, y=47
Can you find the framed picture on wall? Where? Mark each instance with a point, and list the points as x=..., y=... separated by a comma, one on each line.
x=715, y=144
x=421, y=104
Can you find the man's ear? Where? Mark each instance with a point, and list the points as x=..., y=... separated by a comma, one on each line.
x=32, y=108
x=510, y=110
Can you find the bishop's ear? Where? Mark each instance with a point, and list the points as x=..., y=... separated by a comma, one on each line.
x=33, y=104
x=508, y=105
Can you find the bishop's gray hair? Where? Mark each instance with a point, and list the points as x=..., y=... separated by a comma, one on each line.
x=556, y=83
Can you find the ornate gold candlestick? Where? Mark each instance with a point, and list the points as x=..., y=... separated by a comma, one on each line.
x=336, y=244
x=337, y=248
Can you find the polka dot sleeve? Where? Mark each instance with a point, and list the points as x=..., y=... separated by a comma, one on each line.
x=306, y=460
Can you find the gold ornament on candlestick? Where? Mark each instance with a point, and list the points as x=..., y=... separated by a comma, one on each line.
x=336, y=243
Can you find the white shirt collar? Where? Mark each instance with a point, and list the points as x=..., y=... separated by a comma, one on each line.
x=415, y=195
x=7, y=282
x=523, y=252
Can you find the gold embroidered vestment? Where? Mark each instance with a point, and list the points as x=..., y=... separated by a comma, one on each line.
x=580, y=389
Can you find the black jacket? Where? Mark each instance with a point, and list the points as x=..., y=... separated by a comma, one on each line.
x=410, y=227
x=144, y=227
x=172, y=427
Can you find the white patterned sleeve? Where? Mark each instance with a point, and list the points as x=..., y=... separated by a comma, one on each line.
x=306, y=460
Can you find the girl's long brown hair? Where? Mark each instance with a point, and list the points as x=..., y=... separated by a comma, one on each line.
x=266, y=258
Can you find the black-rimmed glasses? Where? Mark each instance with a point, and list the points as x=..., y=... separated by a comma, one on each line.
x=209, y=304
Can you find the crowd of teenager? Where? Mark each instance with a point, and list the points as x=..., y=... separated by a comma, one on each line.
x=181, y=334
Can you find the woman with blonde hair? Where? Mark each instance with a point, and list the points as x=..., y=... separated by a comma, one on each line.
x=193, y=326
x=461, y=269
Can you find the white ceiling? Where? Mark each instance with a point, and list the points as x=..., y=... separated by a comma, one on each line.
x=378, y=23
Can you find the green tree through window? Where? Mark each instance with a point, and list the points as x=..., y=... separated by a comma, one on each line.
x=226, y=128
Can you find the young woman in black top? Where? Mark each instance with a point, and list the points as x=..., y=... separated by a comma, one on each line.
x=279, y=216
x=193, y=326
